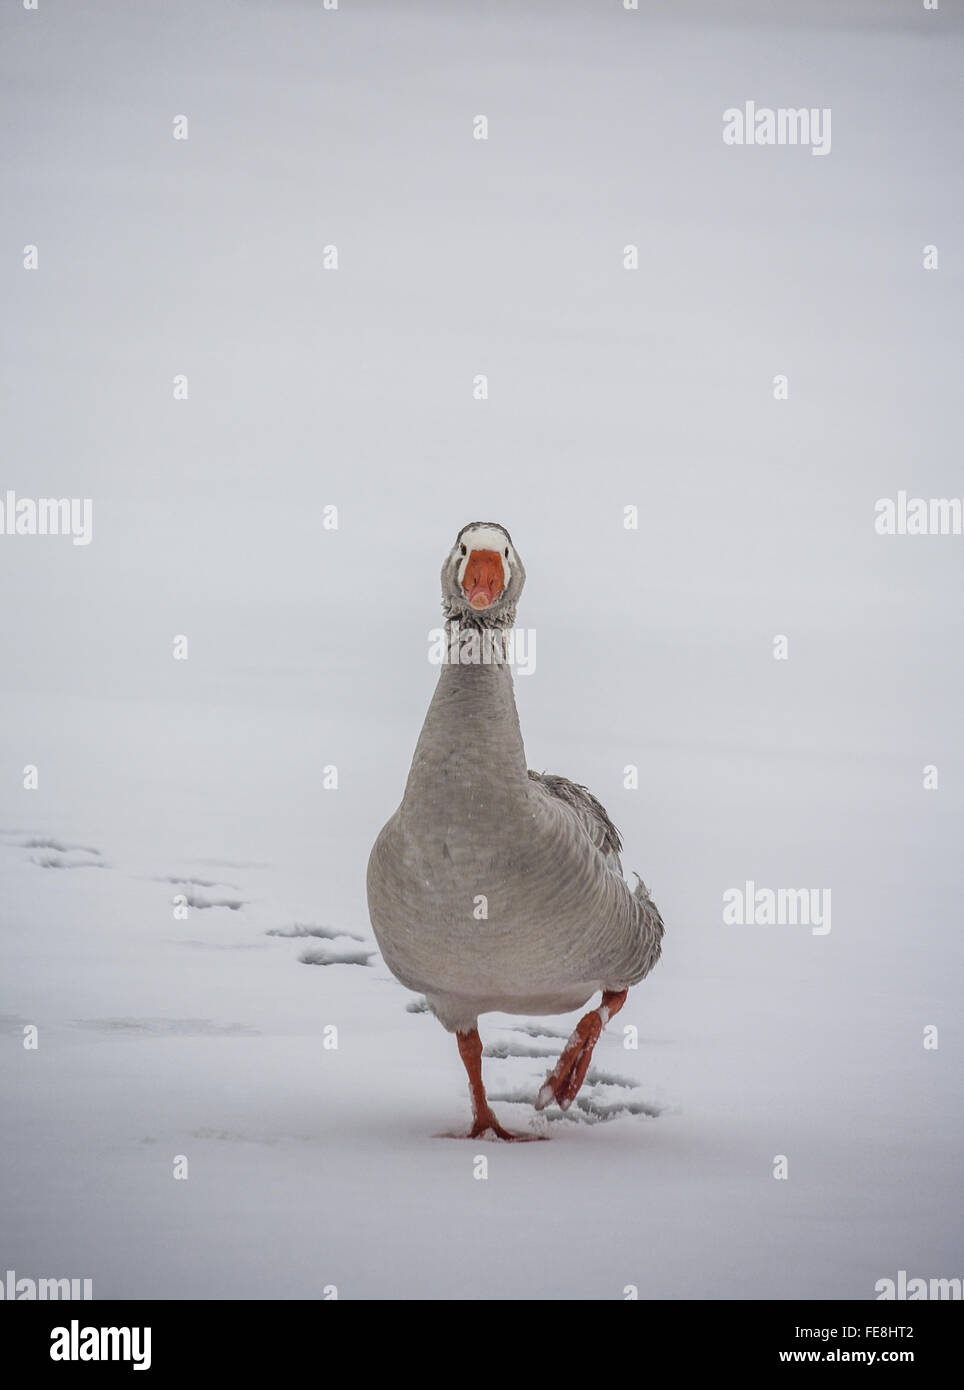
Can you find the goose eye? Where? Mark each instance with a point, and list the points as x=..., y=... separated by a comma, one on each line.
x=507, y=552
x=461, y=549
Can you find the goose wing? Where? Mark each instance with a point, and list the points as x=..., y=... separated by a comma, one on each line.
x=589, y=810
x=636, y=933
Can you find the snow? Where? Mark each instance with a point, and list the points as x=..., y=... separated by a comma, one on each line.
x=311, y=1165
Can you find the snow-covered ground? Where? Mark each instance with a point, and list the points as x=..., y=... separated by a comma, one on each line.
x=311, y=1166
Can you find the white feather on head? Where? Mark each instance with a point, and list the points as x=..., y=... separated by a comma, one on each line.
x=484, y=536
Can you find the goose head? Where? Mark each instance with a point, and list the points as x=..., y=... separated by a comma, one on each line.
x=482, y=576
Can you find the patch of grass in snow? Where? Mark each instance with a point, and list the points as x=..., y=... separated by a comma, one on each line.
x=58, y=846
x=169, y=1027
x=597, y=1111
x=195, y=900
x=515, y=1049
x=584, y=1110
x=608, y=1078
x=306, y=929
x=57, y=861
x=326, y=955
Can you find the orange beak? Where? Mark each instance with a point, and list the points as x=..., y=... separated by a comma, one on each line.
x=484, y=578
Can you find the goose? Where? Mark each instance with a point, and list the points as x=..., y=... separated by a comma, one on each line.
x=492, y=887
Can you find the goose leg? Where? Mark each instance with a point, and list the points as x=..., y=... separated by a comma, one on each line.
x=484, y=1121
x=562, y=1084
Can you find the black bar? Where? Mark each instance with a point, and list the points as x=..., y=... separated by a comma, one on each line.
x=249, y=1337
